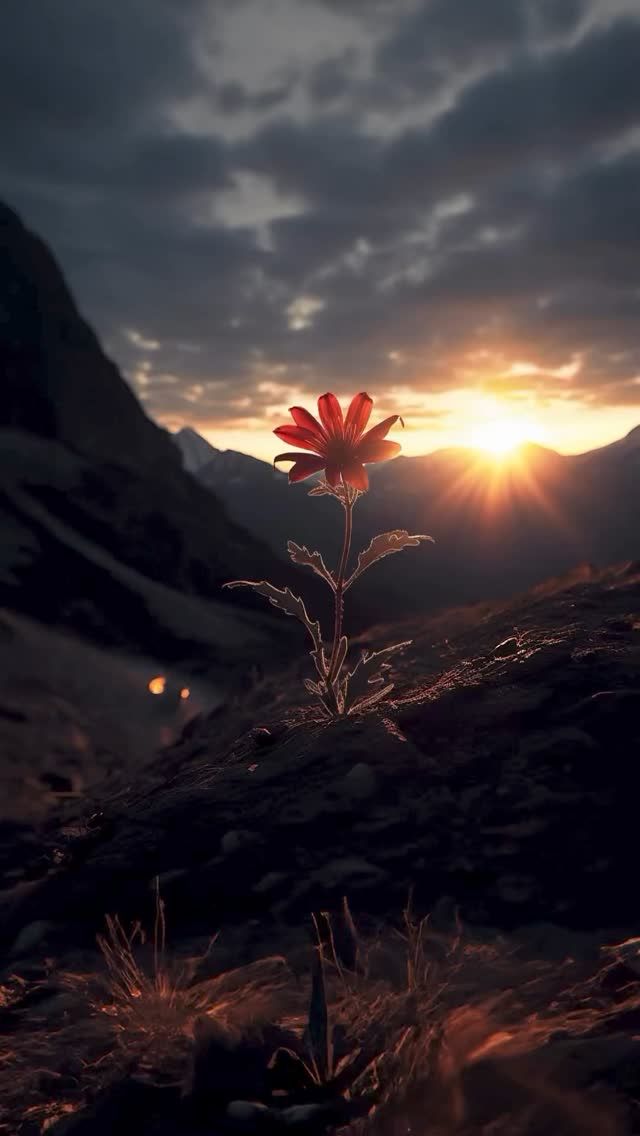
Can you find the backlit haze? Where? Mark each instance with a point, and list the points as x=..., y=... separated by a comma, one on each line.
x=255, y=201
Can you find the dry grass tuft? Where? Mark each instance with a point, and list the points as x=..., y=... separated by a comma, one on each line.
x=153, y=1002
x=452, y=1029
x=419, y=1031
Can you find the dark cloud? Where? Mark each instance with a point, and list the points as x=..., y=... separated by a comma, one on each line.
x=98, y=65
x=442, y=34
x=505, y=217
x=542, y=109
x=233, y=97
x=333, y=78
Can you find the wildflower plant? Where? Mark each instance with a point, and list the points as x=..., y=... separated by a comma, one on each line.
x=341, y=446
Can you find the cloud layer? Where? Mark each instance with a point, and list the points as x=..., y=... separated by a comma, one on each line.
x=263, y=197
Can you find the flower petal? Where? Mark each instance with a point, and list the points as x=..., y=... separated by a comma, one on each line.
x=332, y=474
x=353, y=473
x=377, y=451
x=358, y=415
x=381, y=430
x=330, y=413
x=298, y=436
x=305, y=464
x=304, y=418
x=304, y=467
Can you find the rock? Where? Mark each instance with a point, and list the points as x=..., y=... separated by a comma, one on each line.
x=556, y=745
x=349, y=872
x=506, y=648
x=360, y=782
x=271, y=882
x=608, y=710
x=164, y=880
x=619, y=624
x=57, y=782
x=235, y=840
x=30, y=936
x=227, y=1068
x=251, y=1116
x=262, y=737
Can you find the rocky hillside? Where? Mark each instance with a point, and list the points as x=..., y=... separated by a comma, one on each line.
x=509, y=728
x=499, y=784
x=103, y=529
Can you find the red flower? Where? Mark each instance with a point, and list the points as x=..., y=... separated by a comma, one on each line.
x=339, y=445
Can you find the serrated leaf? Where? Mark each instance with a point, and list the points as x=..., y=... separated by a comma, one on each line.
x=300, y=554
x=284, y=599
x=368, y=672
x=384, y=545
x=372, y=700
x=321, y=489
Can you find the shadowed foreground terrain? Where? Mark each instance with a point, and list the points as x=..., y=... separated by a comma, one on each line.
x=499, y=788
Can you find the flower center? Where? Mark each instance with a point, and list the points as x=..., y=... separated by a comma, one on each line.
x=339, y=451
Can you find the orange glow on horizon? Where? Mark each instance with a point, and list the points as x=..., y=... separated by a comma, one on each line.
x=500, y=432
x=467, y=416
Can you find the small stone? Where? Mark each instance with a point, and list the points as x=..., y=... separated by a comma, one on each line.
x=165, y=879
x=30, y=936
x=250, y=1116
x=57, y=782
x=557, y=745
x=301, y=1115
x=262, y=737
x=623, y=624
x=629, y=952
x=506, y=648
x=270, y=882
x=349, y=872
x=361, y=781
x=235, y=840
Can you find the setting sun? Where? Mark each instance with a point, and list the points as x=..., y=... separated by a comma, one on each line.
x=501, y=435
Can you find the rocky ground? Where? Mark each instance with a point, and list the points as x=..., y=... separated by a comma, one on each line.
x=499, y=784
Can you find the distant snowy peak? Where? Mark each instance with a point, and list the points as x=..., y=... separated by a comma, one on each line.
x=196, y=451
x=230, y=466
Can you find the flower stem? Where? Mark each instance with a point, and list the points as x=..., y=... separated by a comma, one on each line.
x=339, y=594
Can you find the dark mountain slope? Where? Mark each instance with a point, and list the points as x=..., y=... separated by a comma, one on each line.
x=512, y=727
x=57, y=382
x=499, y=527
x=75, y=443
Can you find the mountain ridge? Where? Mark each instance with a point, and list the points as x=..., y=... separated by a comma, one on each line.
x=499, y=526
x=87, y=479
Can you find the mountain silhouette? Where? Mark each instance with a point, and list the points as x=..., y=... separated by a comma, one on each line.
x=196, y=451
x=103, y=529
x=499, y=526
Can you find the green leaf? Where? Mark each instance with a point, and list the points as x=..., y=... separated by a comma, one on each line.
x=383, y=545
x=300, y=554
x=370, y=671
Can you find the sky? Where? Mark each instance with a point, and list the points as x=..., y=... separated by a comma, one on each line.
x=255, y=201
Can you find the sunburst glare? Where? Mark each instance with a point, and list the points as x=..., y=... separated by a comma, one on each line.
x=501, y=435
